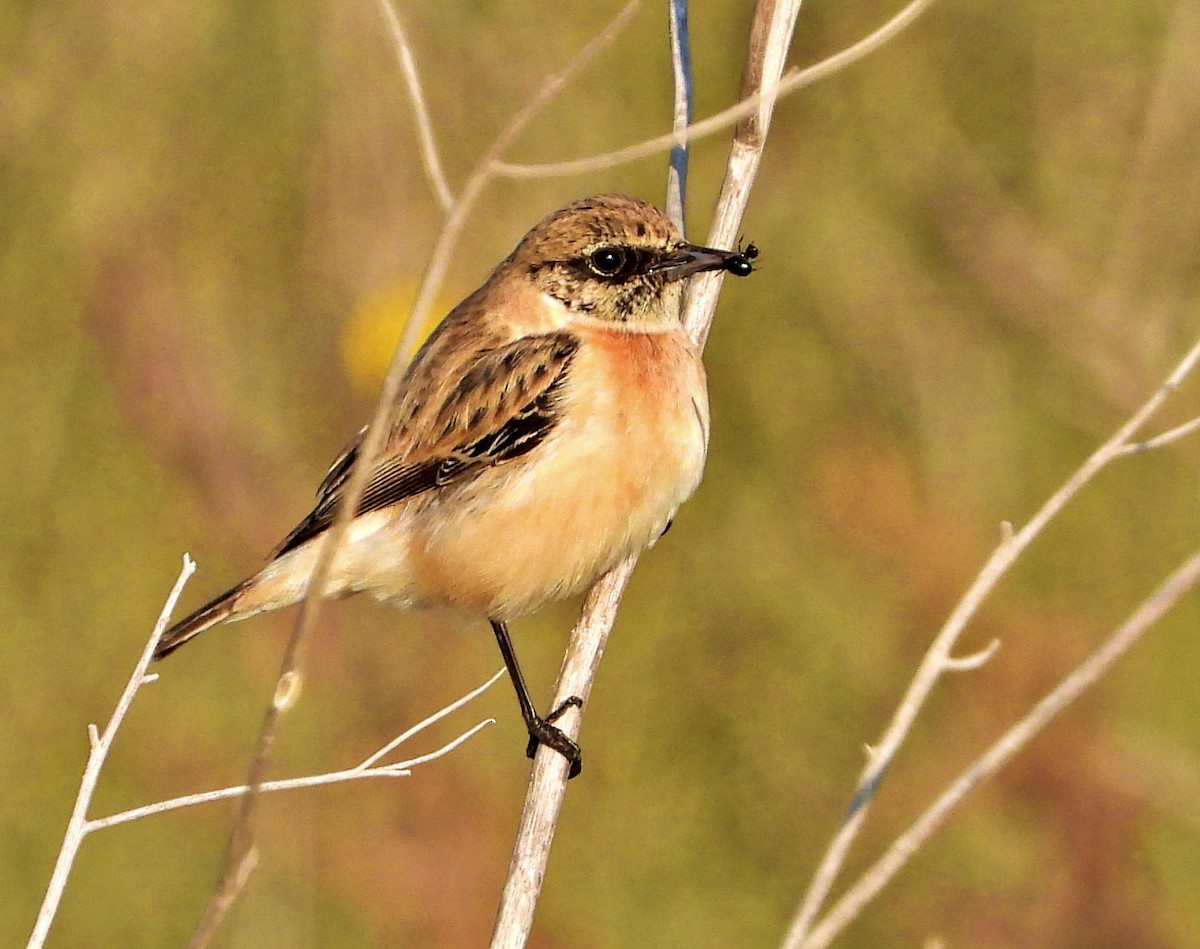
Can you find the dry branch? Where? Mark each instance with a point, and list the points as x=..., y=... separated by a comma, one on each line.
x=1085, y=675
x=938, y=659
x=99, y=745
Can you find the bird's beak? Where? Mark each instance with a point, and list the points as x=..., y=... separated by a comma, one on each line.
x=691, y=258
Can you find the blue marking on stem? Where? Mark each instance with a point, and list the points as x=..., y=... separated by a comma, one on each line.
x=679, y=153
x=866, y=791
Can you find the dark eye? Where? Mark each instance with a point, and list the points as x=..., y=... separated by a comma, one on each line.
x=607, y=261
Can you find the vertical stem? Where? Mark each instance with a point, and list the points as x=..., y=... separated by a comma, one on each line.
x=770, y=38
x=681, y=65
x=547, y=783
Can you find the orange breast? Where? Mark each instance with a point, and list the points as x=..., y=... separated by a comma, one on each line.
x=627, y=452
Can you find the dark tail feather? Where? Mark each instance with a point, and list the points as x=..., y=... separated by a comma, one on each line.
x=208, y=615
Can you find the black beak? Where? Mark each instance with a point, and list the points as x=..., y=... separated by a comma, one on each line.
x=688, y=259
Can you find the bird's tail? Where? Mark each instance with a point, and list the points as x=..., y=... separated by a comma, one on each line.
x=212, y=613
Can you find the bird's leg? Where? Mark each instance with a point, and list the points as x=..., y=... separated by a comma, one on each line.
x=542, y=731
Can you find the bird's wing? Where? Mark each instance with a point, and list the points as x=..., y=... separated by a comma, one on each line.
x=455, y=419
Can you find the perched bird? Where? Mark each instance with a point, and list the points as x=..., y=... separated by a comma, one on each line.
x=550, y=426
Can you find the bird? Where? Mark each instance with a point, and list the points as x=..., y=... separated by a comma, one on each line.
x=550, y=426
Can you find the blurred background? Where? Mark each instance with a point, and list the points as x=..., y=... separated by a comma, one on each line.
x=979, y=254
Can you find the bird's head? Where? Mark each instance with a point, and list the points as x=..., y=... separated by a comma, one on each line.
x=613, y=257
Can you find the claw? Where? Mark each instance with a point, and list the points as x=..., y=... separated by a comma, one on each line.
x=571, y=701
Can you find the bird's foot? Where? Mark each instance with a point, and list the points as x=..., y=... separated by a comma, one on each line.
x=543, y=731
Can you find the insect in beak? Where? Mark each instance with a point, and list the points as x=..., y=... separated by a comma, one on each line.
x=692, y=258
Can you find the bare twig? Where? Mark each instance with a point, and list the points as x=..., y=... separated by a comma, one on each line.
x=1066, y=692
x=938, y=659
x=99, y=744
x=972, y=661
x=435, y=717
x=1166, y=438
x=795, y=79
x=547, y=784
x=368, y=768
x=241, y=837
x=412, y=78
x=398, y=769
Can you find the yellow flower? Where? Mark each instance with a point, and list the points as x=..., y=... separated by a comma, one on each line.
x=371, y=333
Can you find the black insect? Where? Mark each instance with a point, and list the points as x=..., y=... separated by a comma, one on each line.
x=740, y=263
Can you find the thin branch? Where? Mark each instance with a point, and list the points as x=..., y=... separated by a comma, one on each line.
x=770, y=36
x=795, y=79
x=681, y=69
x=412, y=78
x=99, y=744
x=972, y=661
x=242, y=835
x=1085, y=675
x=481, y=176
x=1166, y=438
x=435, y=717
x=398, y=769
x=547, y=783
x=937, y=659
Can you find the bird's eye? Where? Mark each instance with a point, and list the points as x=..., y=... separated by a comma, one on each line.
x=607, y=261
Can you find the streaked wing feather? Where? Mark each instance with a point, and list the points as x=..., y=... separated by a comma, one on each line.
x=506, y=402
